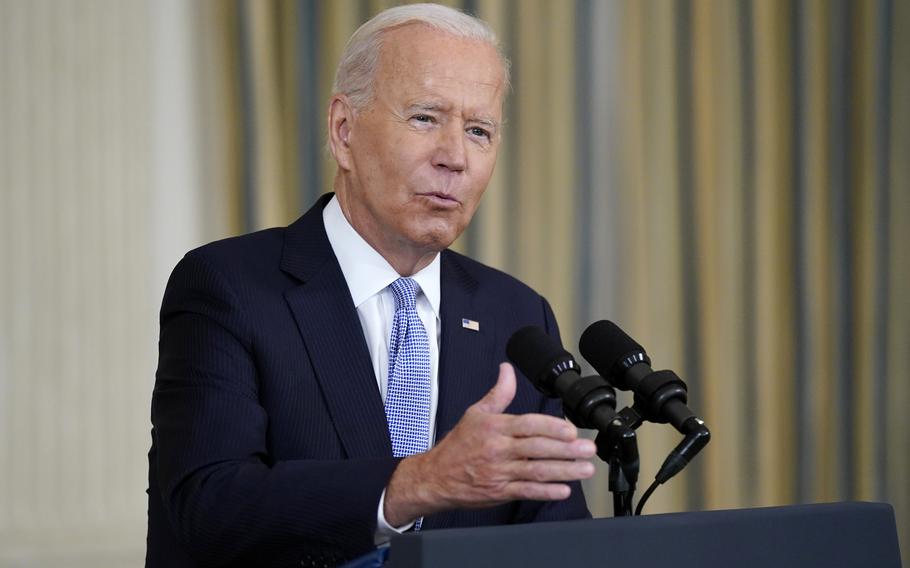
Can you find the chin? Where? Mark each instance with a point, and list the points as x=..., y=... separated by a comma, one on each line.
x=435, y=237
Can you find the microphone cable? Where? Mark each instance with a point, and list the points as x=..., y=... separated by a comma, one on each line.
x=644, y=497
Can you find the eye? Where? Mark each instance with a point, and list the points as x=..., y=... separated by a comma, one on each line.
x=425, y=118
x=479, y=132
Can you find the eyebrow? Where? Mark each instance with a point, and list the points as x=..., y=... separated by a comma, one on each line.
x=488, y=122
x=427, y=105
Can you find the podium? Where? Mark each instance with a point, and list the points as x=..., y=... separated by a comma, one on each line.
x=844, y=535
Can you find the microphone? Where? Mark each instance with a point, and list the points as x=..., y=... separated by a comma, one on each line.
x=660, y=396
x=589, y=402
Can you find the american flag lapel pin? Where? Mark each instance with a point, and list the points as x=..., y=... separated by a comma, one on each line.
x=470, y=324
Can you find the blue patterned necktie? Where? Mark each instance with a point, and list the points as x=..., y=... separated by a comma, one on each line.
x=407, y=403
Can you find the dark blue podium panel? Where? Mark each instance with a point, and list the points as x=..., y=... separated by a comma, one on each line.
x=842, y=535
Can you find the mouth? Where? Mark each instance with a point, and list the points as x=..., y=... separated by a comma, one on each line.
x=439, y=199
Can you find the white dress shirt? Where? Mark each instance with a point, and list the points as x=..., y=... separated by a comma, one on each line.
x=368, y=276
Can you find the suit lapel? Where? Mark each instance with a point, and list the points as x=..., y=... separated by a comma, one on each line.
x=466, y=370
x=333, y=336
x=465, y=360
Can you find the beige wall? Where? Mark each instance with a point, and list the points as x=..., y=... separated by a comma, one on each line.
x=98, y=192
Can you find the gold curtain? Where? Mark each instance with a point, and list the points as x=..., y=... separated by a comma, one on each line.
x=726, y=180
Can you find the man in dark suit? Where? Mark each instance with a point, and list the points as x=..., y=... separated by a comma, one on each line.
x=323, y=386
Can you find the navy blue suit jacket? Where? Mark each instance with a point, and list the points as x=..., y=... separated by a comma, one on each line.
x=269, y=440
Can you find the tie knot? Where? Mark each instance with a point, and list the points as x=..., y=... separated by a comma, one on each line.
x=405, y=290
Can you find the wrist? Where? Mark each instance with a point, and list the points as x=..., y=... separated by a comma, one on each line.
x=408, y=495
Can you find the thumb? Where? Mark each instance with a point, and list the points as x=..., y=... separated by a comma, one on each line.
x=502, y=393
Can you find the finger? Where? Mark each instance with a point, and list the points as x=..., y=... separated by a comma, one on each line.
x=547, y=448
x=518, y=490
x=549, y=470
x=499, y=397
x=526, y=425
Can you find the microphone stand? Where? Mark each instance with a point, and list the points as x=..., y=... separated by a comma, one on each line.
x=618, y=447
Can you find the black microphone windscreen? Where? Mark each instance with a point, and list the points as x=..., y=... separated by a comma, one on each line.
x=535, y=353
x=605, y=345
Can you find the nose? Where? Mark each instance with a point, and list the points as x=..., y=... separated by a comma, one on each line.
x=450, y=151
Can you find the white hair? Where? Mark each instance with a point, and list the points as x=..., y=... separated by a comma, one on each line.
x=354, y=76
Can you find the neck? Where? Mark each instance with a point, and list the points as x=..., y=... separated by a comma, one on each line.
x=407, y=265
x=406, y=260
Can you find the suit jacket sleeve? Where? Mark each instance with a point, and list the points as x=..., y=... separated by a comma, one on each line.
x=225, y=499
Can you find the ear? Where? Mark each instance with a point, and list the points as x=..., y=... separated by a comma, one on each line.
x=341, y=117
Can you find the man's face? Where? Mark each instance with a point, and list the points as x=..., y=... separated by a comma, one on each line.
x=423, y=150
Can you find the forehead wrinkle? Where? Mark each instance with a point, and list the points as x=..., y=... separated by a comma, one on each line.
x=429, y=104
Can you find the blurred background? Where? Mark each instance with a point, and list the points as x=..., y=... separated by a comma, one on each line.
x=728, y=180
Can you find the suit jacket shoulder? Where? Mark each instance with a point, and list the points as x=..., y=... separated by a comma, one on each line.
x=502, y=291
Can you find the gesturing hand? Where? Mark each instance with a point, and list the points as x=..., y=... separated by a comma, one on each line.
x=490, y=458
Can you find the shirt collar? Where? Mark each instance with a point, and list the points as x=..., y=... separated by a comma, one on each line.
x=365, y=270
